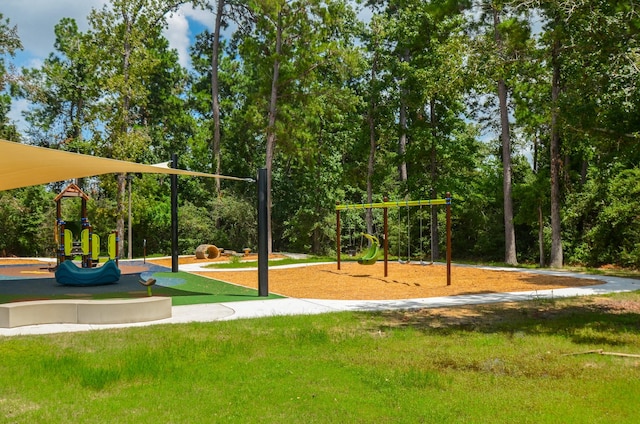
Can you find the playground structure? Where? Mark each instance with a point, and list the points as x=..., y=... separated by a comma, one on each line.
x=207, y=251
x=89, y=246
x=69, y=274
x=371, y=255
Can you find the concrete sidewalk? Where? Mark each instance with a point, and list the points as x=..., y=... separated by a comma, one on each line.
x=291, y=306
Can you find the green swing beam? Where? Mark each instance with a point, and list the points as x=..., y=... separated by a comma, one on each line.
x=386, y=205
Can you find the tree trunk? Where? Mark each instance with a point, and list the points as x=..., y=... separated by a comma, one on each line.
x=215, y=94
x=120, y=210
x=271, y=129
x=541, y=235
x=540, y=214
x=124, y=131
x=372, y=143
x=402, y=142
x=510, y=256
x=556, y=227
x=372, y=146
x=433, y=171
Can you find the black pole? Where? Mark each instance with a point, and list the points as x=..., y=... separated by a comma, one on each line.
x=174, y=215
x=448, y=205
x=338, y=234
x=263, y=239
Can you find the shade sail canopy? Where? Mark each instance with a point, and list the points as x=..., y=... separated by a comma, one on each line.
x=23, y=165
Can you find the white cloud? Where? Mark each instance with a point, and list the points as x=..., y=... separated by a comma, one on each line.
x=179, y=32
x=179, y=36
x=36, y=19
x=15, y=114
x=203, y=17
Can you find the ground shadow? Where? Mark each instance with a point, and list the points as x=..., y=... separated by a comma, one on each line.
x=575, y=319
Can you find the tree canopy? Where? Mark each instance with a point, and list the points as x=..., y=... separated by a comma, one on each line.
x=525, y=110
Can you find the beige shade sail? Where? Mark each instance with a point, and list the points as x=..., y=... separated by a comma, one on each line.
x=23, y=165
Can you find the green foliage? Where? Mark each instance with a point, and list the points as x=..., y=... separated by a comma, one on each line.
x=346, y=367
x=606, y=217
x=119, y=91
x=28, y=218
x=227, y=222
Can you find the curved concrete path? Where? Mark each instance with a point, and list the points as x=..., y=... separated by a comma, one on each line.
x=291, y=306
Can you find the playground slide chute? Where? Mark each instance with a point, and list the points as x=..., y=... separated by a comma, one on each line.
x=371, y=255
x=69, y=274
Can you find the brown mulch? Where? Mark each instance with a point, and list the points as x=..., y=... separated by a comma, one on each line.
x=359, y=282
x=404, y=281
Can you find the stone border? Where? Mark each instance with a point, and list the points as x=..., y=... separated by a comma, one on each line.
x=79, y=311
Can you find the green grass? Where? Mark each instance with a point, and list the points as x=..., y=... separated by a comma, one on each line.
x=273, y=262
x=495, y=365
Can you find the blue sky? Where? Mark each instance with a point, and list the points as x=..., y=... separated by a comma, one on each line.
x=36, y=19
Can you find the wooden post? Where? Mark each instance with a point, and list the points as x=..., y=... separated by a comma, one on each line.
x=386, y=237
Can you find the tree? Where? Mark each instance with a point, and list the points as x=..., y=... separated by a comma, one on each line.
x=9, y=44
x=123, y=34
x=287, y=43
x=62, y=92
x=501, y=48
x=426, y=47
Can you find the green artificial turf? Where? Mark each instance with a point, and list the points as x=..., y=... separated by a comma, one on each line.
x=192, y=289
x=197, y=289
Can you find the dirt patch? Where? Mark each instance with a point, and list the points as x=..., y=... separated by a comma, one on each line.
x=404, y=281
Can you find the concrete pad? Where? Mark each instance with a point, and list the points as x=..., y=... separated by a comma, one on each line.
x=37, y=312
x=79, y=311
x=121, y=311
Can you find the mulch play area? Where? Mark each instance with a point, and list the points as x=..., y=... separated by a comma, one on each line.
x=322, y=281
x=404, y=281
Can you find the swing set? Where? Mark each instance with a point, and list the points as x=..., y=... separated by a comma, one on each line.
x=371, y=254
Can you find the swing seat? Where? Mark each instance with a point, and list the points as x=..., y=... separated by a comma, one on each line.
x=371, y=255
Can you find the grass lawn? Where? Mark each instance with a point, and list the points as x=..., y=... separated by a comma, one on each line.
x=272, y=262
x=517, y=363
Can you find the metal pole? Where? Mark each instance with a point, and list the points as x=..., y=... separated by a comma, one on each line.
x=129, y=237
x=174, y=215
x=448, y=239
x=263, y=236
x=338, y=234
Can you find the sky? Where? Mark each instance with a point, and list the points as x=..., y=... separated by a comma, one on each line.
x=36, y=19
